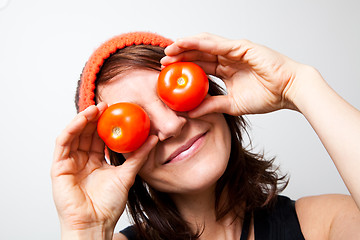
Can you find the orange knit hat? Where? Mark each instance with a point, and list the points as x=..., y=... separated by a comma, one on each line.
x=86, y=86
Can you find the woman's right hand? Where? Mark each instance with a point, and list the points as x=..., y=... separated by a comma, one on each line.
x=257, y=79
x=90, y=195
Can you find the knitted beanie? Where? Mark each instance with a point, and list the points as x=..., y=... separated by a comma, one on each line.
x=86, y=85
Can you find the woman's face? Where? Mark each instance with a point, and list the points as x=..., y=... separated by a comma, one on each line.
x=192, y=153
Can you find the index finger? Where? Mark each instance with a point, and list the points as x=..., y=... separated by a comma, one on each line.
x=69, y=138
x=205, y=42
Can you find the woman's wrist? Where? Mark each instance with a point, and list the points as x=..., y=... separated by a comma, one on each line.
x=94, y=232
x=306, y=87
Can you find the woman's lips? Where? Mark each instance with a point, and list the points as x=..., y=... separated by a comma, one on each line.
x=187, y=149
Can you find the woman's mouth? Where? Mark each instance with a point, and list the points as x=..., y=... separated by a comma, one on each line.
x=187, y=149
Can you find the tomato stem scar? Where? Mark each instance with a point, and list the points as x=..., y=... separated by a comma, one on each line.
x=116, y=131
x=181, y=81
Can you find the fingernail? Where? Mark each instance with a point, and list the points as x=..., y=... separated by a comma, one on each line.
x=163, y=60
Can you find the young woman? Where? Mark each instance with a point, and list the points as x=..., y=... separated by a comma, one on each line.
x=192, y=179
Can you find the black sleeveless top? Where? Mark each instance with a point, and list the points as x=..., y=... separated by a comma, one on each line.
x=279, y=222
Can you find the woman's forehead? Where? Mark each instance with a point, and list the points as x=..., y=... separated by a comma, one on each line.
x=131, y=86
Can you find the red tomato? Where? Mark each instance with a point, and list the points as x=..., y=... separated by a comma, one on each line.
x=182, y=86
x=124, y=127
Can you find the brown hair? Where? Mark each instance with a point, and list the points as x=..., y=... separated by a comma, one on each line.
x=249, y=178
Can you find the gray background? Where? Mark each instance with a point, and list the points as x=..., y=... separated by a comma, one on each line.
x=44, y=45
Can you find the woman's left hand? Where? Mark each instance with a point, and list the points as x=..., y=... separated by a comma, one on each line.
x=258, y=79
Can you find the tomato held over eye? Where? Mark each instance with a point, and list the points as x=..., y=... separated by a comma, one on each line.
x=182, y=86
x=124, y=127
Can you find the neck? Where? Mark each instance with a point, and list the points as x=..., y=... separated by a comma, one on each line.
x=198, y=209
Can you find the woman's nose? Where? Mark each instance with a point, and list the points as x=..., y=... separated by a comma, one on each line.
x=165, y=123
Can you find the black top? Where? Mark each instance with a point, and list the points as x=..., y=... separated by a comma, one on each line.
x=276, y=223
x=279, y=222
x=130, y=233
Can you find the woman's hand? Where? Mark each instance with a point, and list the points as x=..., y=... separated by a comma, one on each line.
x=90, y=195
x=258, y=79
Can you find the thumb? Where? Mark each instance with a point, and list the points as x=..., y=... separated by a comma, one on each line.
x=217, y=104
x=135, y=160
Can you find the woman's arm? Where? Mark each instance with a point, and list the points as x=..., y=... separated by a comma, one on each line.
x=335, y=121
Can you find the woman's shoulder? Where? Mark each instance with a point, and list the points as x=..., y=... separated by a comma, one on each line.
x=331, y=216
